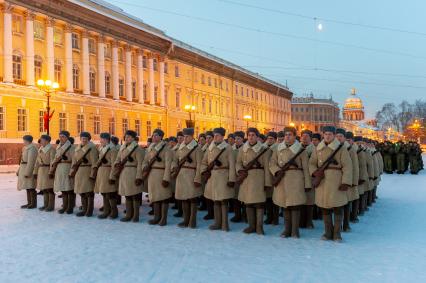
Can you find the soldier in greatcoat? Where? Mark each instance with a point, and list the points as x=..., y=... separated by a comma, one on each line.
x=209, y=202
x=26, y=180
x=178, y=203
x=272, y=210
x=363, y=179
x=239, y=208
x=307, y=210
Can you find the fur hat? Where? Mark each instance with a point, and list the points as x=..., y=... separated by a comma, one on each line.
x=331, y=129
x=85, y=135
x=159, y=132
x=188, y=131
x=105, y=136
x=131, y=133
x=28, y=138
x=220, y=131
x=46, y=138
x=64, y=133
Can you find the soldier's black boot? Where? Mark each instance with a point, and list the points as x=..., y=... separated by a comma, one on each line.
x=151, y=212
x=71, y=202
x=260, y=210
x=33, y=199
x=179, y=205
x=361, y=205
x=315, y=212
x=186, y=213
x=28, y=200
x=346, y=215
x=354, y=211
x=275, y=214
x=136, y=205
x=302, y=222
x=193, y=217
x=129, y=210
x=164, y=211
x=251, y=219
x=210, y=213
x=268, y=208
x=309, y=216
x=203, y=205
x=90, y=204
x=84, y=202
x=113, y=204
x=51, y=203
x=287, y=223
x=237, y=211
x=64, y=203
x=217, y=216
x=337, y=224
x=45, y=200
x=295, y=218
x=225, y=223
x=328, y=224
x=106, y=205
x=157, y=213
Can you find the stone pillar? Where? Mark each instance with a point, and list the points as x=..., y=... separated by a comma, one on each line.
x=151, y=79
x=50, y=53
x=162, y=91
x=129, y=73
x=86, y=62
x=68, y=59
x=29, y=42
x=140, y=75
x=7, y=43
x=101, y=66
x=114, y=71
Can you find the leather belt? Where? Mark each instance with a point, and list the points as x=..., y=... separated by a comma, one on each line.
x=333, y=168
x=220, y=168
x=189, y=167
x=65, y=161
x=24, y=162
x=159, y=168
x=86, y=165
x=294, y=168
x=130, y=166
x=254, y=168
x=44, y=165
x=105, y=165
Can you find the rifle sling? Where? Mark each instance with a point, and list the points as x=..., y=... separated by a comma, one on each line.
x=253, y=161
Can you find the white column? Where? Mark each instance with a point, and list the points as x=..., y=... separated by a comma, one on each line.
x=140, y=76
x=29, y=42
x=7, y=42
x=50, y=53
x=101, y=66
x=114, y=72
x=85, y=61
x=162, y=92
x=128, y=73
x=151, y=80
x=68, y=58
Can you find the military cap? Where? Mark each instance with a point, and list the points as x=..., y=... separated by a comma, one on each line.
x=272, y=134
x=106, y=136
x=231, y=136
x=290, y=129
x=358, y=138
x=64, y=133
x=239, y=134
x=220, y=131
x=179, y=134
x=331, y=129
x=340, y=131
x=349, y=135
x=253, y=130
x=159, y=132
x=46, y=138
x=316, y=136
x=307, y=132
x=131, y=133
x=188, y=131
x=209, y=133
x=28, y=138
x=172, y=139
x=85, y=135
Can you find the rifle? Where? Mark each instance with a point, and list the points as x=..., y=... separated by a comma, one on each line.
x=147, y=169
x=58, y=160
x=94, y=172
x=77, y=164
x=176, y=171
x=208, y=172
x=242, y=174
x=118, y=167
x=319, y=174
x=281, y=173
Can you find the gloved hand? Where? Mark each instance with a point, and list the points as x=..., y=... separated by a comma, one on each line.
x=344, y=187
x=165, y=184
x=138, y=182
x=197, y=185
x=230, y=184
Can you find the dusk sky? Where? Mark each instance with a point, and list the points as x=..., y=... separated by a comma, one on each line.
x=377, y=47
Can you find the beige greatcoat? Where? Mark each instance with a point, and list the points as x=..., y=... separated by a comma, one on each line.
x=310, y=195
x=216, y=187
x=327, y=194
x=82, y=182
x=62, y=181
x=45, y=157
x=26, y=179
x=190, y=172
x=252, y=190
x=291, y=189
x=235, y=151
x=160, y=171
x=370, y=169
x=107, y=154
x=353, y=192
x=132, y=169
x=272, y=148
x=363, y=173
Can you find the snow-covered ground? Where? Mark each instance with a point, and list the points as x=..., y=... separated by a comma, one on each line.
x=387, y=245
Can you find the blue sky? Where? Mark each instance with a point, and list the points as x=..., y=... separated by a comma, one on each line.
x=383, y=65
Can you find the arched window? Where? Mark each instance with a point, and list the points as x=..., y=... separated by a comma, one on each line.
x=92, y=79
x=17, y=66
x=58, y=71
x=75, y=77
x=107, y=83
x=38, y=67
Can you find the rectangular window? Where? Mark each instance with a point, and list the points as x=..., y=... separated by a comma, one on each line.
x=62, y=121
x=111, y=126
x=177, y=99
x=107, y=84
x=97, y=125
x=138, y=127
x=58, y=36
x=41, y=121
x=22, y=120
x=37, y=68
x=155, y=94
x=145, y=91
x=125, y=125
x=134, y=90
x=210, y=106
x=92, y=80
x=17, y=67
x=144, y=62
x=158, y=125
x=203, y=80
x=148, y=129
x=58, y=72
x=166, y=68
x=80, y=123
x=17, y=23
x=203, y=105
x=121, y=87
x=177, y=71
x=38, y=30
x=107, y=48
x=155, y=63
x=75, y=78
x=209, y=81
x=75, y=41
x=92, y=46
x=2, y=118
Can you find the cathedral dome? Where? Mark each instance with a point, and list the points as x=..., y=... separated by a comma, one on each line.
x=353, y=102
x=353, y=109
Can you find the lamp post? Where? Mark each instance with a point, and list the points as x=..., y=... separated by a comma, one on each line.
x=48, y=87
x=190, y=109
x=247, y=118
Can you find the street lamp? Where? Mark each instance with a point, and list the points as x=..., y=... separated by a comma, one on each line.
x=247, y=118
x=292, y=124
x=190, y=109
x=48, y=87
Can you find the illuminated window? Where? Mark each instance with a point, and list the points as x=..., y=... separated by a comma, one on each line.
x=111, y=126
x=58, y=35
x=17, y=23
x=75, y=41
x=22, y=120
x=121, y=87
x=107, y=83
x=125, y=125
x=80, y=123
x=58, y=71
x=148, y=128
x=38, y=67
x=96, y=124
x=92, y=80
x=92, y=46
x=138, y=127
x=75, y=77
x=17, y=66
x=62, y=121
x=39, y=30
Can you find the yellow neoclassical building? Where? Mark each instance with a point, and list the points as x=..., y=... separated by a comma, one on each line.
x=115, y=73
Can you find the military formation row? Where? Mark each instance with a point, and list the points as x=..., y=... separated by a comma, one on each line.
x=330, y=174
x=399, y=157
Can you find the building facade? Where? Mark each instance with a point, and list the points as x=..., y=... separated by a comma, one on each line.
x=117, y=73
x=313, y=113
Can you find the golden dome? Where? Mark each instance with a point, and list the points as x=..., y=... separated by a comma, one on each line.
x=353, y=102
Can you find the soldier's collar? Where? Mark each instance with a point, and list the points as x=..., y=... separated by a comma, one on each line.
x=256, y=148
x=156, y=146
x=346, y=144
x=65, y=145
x=189, y=146
x=295, y=147
x=46, y=148
x=129, y=147
x=105, y=148
x=220, y=146
x=86, y=147
x=333, y=145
